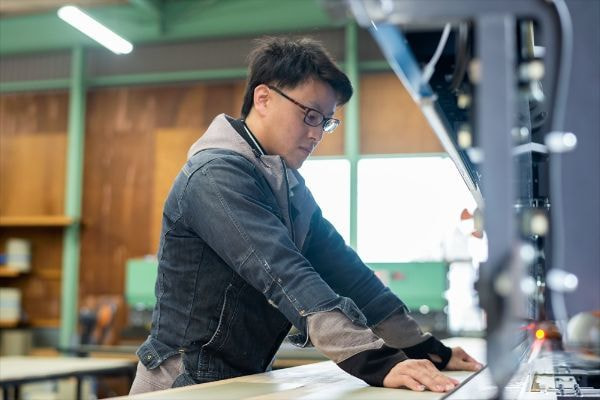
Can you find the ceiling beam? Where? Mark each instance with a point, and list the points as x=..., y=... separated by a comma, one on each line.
x=185, y=20
x=150, y=7
x=153, y=10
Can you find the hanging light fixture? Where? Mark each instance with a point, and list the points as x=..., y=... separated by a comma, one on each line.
x=94, y=29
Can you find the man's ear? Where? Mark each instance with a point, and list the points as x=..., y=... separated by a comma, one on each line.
x=261, y=99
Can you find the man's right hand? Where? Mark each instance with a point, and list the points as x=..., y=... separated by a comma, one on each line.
x=418, y=375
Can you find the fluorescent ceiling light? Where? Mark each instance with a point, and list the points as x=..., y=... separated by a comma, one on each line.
x=94, y=29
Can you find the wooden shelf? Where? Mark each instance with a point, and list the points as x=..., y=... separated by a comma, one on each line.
x=33, y=323
x=49, y=274
x=8, y=324
x=40, y=220
x=45, y=323
x=10, y=272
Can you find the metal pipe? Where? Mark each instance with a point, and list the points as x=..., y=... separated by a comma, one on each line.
x=352, y=125
x=73, y=195
x=159, y=77
x=30, y=86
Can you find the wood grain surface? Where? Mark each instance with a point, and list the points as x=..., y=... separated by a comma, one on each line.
x=323, y=380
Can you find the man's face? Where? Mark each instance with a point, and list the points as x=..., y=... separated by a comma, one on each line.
x=288, y=135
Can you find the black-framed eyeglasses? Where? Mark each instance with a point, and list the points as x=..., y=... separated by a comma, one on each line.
x=312, y=117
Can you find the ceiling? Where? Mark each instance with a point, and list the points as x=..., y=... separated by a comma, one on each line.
x=29, y=26
x=22, y=7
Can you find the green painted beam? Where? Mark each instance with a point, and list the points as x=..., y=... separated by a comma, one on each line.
x=73, y=196
x=158, y=77
x=31, y=86
x=374, y=66
x=167, y=77
x=352, y=125
x=154, y=11
x=149, y=7
x=182, y=20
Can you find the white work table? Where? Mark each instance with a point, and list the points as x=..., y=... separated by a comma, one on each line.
x=322, y=380
x=15, y=371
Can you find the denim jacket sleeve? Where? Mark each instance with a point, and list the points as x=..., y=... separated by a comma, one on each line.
x=344, y=272
x=229, y=205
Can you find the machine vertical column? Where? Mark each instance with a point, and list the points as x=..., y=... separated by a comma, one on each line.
x=495, y=118
x=73, y=194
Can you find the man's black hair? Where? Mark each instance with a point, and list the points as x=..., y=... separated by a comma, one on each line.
x=287, y=63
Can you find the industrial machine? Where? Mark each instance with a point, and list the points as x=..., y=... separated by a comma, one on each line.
x=140, y=276
x=499, y=82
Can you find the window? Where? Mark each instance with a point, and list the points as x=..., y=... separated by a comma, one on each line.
x=329, y=182
x=407, y=207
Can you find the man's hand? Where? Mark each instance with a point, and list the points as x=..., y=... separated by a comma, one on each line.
x=461, y=361
x=418, y=375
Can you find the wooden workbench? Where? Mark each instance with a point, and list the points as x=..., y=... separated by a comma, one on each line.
x=322, y=380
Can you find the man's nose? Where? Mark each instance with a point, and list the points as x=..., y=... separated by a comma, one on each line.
x=315, y=133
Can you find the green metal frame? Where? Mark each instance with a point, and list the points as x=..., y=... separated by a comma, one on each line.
x=352, y=128
x=73, y=196
x=163, y=77
x=29, y=86
x=168, y=77
x=149, y=7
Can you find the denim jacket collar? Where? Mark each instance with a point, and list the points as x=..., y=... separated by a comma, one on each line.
x=286, y=183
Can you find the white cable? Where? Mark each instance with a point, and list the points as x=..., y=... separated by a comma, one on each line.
x=430, y=67
x=556, y=208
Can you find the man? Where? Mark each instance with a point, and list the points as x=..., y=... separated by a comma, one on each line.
x=245, y=252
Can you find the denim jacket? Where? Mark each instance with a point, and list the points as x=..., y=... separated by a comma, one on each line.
x=245, y=253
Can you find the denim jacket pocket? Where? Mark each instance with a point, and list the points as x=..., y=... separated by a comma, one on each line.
x=219, y=337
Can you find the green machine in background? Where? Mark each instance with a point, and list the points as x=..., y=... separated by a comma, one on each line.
x=418, y=284
x=140, y=278
x=422, y=287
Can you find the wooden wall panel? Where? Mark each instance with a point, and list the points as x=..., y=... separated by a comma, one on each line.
x=33, y=130
x=390, y=121
x=136, y=142
x=32, y=174
x=170, y=155
x=32, y=153
x=238, y=98
x=117, y=181
x=333, y=144
x=33, y=112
